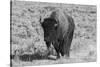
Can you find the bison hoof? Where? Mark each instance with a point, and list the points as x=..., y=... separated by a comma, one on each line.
x=58, y=56
x=66, y=56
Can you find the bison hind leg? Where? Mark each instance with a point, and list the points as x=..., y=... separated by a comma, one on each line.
x=67, y=43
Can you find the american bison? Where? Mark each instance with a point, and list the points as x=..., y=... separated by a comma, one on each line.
x=58, y=30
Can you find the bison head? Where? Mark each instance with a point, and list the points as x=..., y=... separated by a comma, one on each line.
x=50, y=27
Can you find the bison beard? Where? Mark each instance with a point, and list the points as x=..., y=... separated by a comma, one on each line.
x=59, y=32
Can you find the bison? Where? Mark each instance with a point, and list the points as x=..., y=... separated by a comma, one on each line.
x=58, y=30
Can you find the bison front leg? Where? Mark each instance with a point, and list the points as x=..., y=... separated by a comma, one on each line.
x=56, y=46
x=61, y=45
x=48, y=43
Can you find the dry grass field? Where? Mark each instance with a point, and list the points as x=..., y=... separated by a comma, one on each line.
x=27, y=34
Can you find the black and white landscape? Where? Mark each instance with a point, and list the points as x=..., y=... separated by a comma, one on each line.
x=28, y=45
